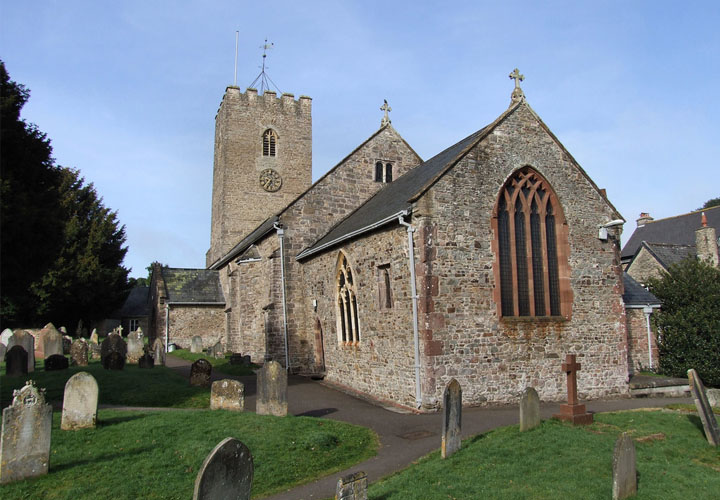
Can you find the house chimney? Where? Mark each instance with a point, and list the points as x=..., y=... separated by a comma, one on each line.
x=644, y=218
x=706, y=243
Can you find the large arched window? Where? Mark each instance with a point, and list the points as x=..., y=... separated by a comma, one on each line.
x=346, y=301
x=269, y=142
x=531, y=248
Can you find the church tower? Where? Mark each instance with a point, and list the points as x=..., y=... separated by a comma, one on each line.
x=263, y=161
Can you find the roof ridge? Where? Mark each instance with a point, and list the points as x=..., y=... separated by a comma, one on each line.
x=682, y=215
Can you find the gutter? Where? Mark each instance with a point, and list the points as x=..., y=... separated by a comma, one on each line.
x=280, y=232
x=413, y=291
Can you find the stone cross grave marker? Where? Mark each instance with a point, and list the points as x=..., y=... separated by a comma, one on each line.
x=56, y=362
x=158, y=350
x=25, y=441
x=79, y=353
x=52, y=341
x=113, y=352
x=16, y=361
x=80, y=402
x=712, y=432
x=452, y=419
x=196, y=344
x=573, y=411
x=529, y=409
x=352, y=487
x=27, y=341
x=271, y=390
x=200, y=372
x=623, y=465
x=227, y=394
x=135, y=346
x=227, y=472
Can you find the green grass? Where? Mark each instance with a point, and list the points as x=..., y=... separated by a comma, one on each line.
x=689, y=408
x=557, y=460
x=221, y=365
x=159, y=386
x=157, y=455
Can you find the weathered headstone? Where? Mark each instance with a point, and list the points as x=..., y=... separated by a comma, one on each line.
x=5, y=336
x=52, y=341
x=196, y=344
x=56, y=362
x=713, y=396
x=135, y=346
x=236, y=358
x=80, y=402
x=27, y=341
x=3, y=350
x=67, y=344
x=272, y=390
x=200, y=372
x=529, y=409
x=624, y=469
x=79, y=353
x=216, y=351
x=705, y=411
x=25, y=441
x=452, y=419
x=227, y=395
x=146, y=361
x=158, y=351
x=94, y=351
x=226, y=473
x=113, y=352
x=352, y=487
x=573, y=411
x=16, y=361
x=94, y=336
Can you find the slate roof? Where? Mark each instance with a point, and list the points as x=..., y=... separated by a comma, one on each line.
x=245, y=243
x=678, y=230
x=636, y=295
x=668, y=254
x=192, y=286
x=136, y=303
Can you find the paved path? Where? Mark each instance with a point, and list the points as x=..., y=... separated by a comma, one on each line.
x=404, y=437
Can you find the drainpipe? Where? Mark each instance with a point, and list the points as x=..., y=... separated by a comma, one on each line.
x=167, y=327
x=648, y=311
x=280, y=233
x=413, y=291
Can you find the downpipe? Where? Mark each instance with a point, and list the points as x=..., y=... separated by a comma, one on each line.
x=413, y=291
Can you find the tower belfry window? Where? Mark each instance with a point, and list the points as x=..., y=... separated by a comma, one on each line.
x=269, y=143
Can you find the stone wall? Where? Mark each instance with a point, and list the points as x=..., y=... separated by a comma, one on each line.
x=638, y=355
x=644, y=266
x=188, y=321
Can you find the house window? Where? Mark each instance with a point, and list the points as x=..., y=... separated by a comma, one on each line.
x=531, y=248
x=134, y=324
x=347, y=307
x=383, y=172
x=384, y=289
x=269, y=143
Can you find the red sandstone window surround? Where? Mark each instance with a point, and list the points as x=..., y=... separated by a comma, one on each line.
x=269, y=143
x=531, y=249
x=346, y=303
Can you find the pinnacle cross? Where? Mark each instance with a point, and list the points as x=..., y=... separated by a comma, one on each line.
x=517, y=93
x=386, y=109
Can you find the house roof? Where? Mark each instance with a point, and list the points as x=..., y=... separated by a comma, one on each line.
x=136, y=303
x=678, y=230
x=200, y=286
x=637, y=295
x=668, y=254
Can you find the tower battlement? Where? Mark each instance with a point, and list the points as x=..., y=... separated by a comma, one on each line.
x=286, y=103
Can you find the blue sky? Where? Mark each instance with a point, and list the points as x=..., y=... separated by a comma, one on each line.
x=128, y=91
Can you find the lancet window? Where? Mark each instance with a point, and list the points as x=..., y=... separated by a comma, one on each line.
x=347, y=307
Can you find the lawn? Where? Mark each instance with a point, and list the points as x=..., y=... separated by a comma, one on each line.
x=221, y=365
x=557, y=460
x=159, y=386
x=157, y=455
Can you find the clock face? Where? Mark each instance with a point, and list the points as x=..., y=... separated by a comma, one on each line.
x=270, y=180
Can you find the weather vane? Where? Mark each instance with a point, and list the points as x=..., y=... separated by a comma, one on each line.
x=263, y=77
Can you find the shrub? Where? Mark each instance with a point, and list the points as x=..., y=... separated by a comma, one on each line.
x=688, y=324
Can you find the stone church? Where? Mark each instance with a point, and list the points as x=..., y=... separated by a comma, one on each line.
x=390, y=275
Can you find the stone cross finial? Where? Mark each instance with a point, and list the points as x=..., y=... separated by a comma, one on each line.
x=386, y=109
x=517, y=93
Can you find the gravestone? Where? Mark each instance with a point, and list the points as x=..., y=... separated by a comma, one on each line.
x=16, y=361
x=529, y=409
x=236, y=358
x=573, y=411
x=271, y=390
x=113, y=352
x=79, y=353
x=705, y=411
x=135, y=346
x=226, y=473
x=158, y=350
x=196, y=345
x=25, y=441
x=80, y=403
x=94, y=351
x=452, y=419
x=5, y=336
x=94, y=336
x=200, y=372
x=713, y=396
x=52, y=341
x=146, y=361
x=67, y=344
x=56, y=362
x=352, y=487
x=63, y=330
x=227, y=395
x=3, y=350
x=624, y=470
x=216, y=351
x=27, y=341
